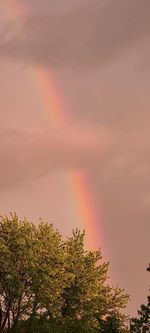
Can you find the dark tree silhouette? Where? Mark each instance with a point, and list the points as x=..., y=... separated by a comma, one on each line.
x=142, y=323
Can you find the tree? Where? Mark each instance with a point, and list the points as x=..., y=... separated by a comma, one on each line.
x=142, y=323
x=148, y=268
x=113, y=323
x=16, y=256
x=88, y=297
x=31, y=270
x=50, y=284
x=48, y=278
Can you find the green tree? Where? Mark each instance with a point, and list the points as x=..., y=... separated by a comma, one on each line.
x=48, y=273
x=142, y=323
x=16, y=255
x=88, y=297
x=50, y=284
x=31, y=271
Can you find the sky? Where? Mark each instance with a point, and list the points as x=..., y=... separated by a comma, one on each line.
x=97, y=53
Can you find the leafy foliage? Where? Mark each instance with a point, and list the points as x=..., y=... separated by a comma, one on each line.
x=48, y=284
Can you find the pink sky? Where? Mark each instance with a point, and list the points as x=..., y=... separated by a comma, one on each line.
x=99, y=53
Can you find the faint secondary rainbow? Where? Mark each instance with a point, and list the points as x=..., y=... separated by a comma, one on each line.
x=78, y=181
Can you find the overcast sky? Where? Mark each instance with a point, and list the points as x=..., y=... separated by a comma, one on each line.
x=98, y=52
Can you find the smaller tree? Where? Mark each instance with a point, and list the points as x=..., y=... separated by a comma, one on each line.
x=114, y=324
x=148, y=268
x=142, y=323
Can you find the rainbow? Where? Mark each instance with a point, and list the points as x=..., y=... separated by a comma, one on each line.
x=77, y=180
x=52, y=99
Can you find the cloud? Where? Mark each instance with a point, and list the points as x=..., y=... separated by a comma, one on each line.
x=86, y=34
x=28, y=155
x=77, y=34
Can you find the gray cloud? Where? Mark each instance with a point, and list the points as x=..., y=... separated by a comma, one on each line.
x=88, y=33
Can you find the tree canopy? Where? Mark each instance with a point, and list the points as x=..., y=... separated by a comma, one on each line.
x=52, y=284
